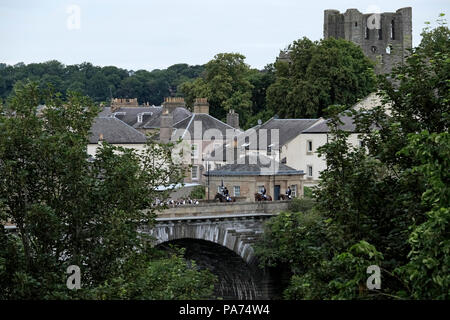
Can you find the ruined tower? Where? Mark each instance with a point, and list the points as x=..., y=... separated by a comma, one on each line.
x=384, y=37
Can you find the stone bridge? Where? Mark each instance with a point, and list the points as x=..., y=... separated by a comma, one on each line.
x=220, y=237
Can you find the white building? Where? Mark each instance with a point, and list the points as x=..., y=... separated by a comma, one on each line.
x=115, y=132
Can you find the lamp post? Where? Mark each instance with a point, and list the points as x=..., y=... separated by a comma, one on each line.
x=273, y=163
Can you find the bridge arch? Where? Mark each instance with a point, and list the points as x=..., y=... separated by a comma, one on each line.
x=237, y=233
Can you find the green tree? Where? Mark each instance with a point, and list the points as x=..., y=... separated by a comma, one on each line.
x=226, y=85
x=319, y=74
x=386, y=203
x=70, y=209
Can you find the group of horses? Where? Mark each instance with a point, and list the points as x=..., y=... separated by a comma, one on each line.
x=258, y=197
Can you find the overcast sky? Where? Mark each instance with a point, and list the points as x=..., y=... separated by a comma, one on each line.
x=154, y=34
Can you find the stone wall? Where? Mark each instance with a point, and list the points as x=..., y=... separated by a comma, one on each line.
x=221, y=209
x=385, y=43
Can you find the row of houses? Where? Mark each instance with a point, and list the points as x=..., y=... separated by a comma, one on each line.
x=277, y=154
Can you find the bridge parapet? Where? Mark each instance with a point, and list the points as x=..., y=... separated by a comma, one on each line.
x=229, y=208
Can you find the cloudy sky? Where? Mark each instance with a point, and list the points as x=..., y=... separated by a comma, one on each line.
x=152, y=34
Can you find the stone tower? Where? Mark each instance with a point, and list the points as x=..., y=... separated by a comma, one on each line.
x=384, y=37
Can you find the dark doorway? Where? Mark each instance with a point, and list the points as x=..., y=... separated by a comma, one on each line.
x=277, y=192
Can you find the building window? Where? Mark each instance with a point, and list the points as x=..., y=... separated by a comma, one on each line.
x=218, y=165
x=194, y=150
x=367, y=33
x=237, y=191
x=294, y=190
x=380, y=34
x=310, y=170
x=392, y=30
x=194, y=173
x=260, y=188
x=356, y=24
x=309, y=146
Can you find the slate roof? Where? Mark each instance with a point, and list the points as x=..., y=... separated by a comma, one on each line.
x=207, y=122
x=178, y=114
x=114, y=131
x=288, y=129
x=129, y=115
x=254, y=168
x=322, y=127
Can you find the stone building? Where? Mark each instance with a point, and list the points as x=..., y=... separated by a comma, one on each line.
x=384, y=37
x=115, y=132
x=201, y=133
x=247, y=178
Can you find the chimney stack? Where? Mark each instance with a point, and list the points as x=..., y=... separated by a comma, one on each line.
x=233, y=119
x=201, y=105
x=169, y=105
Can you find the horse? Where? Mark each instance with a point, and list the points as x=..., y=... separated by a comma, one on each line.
x=222, y=198
x=285, y=197
x=260, y=197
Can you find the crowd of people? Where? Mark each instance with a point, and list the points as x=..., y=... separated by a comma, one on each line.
x=175, y=202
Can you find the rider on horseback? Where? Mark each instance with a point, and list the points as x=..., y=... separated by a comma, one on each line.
x=289, y=192
x=226, y=194
x=263, y=192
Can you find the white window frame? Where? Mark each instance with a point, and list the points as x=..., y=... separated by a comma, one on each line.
x=237, y=194
x=194, y=169
x=194, y=150
x=309, y=168
x=294, y=191
x=308, y=143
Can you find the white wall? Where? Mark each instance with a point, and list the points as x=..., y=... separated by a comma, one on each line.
x=298, y=157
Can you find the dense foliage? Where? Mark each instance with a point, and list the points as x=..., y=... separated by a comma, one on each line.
x=384, y=204
x=71, y=209
x=317, y=75
x=100, y=83
x=229, y=83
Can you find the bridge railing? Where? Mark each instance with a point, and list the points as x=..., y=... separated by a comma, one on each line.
x=231, y=208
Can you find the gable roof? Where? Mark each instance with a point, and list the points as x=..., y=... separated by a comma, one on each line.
x=322, y=127
x=151, y=118
x=288, y=128
x=114, y=131
x=253, y=168
x=178, y=114
x=207, y=122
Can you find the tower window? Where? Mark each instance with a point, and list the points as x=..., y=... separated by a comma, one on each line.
x=373, y=49
x=367, y=33
x=392, y=30
x=380, y=34
x=356, y=24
